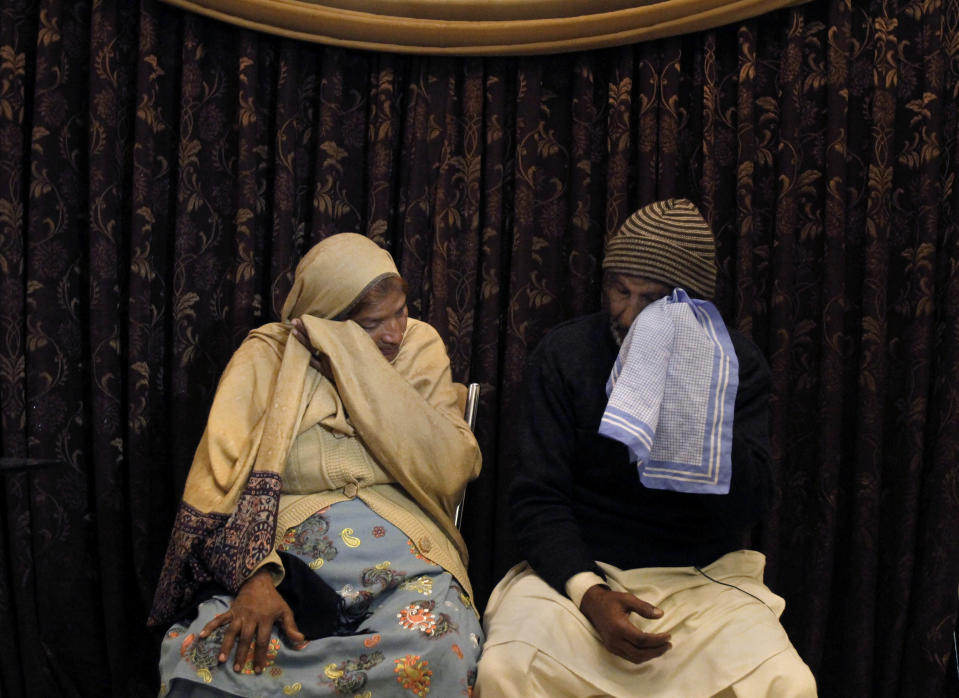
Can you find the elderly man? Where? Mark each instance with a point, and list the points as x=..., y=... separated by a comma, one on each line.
x=643, y=463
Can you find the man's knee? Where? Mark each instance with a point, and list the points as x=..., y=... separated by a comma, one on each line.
x=784, y=675
x=798, y=682
x=500, y=669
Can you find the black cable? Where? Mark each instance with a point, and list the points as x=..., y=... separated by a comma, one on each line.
x=733, y=586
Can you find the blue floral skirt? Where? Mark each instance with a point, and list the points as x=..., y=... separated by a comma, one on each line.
x=419, y=635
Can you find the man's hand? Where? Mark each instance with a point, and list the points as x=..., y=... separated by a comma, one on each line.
x=609, y=611
x=257, y=606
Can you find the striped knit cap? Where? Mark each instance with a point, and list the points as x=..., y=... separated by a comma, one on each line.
x=666, y=241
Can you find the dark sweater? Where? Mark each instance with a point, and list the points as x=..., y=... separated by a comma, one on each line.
x=575, y=497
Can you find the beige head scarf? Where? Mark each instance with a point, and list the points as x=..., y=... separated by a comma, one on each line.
x=335, y=274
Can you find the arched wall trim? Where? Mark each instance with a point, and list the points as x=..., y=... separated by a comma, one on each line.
x=480, y=27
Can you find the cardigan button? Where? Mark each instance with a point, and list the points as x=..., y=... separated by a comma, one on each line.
x=424, y=544
x=350, y=489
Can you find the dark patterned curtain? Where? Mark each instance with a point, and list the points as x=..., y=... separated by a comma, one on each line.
x=161, y=173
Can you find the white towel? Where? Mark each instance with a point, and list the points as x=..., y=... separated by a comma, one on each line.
x=672, y=393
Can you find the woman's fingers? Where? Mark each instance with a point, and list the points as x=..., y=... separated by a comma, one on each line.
x=254, y=611
x=229, y=638
x=252, y=640
x=299, y=331
x=293, y=634
x=262, y=645
x=218, y=620
x=244, y=640
x=221, y=619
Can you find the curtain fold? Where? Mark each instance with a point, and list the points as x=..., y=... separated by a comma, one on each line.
x=480, y=27
x=161, y=173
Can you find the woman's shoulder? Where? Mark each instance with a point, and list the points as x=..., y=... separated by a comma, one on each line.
x=420, y=329
x=421, y=343
x=262, y=346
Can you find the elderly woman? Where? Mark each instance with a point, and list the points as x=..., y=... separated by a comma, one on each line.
x=314, y=551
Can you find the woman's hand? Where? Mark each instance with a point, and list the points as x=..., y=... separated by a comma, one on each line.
x=609, y=611
x=254, y=611
x=317, y=360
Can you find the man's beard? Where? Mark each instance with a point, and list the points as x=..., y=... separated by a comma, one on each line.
x=618, y=334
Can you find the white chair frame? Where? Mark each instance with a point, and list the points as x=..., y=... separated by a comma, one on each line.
x=469, y=414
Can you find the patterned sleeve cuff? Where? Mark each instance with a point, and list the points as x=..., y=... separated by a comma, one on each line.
x=579, y=584
x=275, y=567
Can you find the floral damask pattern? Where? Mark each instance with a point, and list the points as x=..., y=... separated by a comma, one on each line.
x=161, y=174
